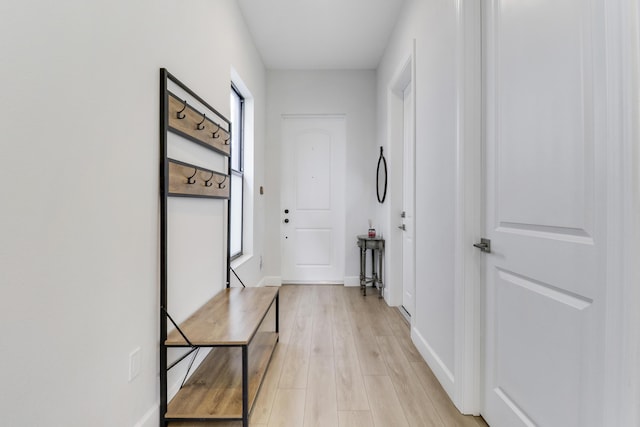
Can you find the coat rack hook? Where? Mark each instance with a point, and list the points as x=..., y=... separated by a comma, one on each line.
x=179, y=114
x=189, y=179
x=199, y=126
x=226, y=141
x=215, y=132
x=207, y=183
x=221, y=183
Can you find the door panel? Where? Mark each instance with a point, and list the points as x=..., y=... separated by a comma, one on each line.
x=543, y=314
x=315, y=247
x=313, y=195
x=313, y=174
x=539, y=331
x=543, y=104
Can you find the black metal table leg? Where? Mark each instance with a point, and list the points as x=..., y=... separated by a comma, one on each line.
x=278, y=314
x=245, y=386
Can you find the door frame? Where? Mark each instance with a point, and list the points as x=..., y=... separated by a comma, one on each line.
x=622, y=327
x=469, y=215
x=622, y=321
x=405, y=74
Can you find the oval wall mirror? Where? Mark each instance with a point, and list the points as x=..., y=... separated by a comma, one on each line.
x=381, y=178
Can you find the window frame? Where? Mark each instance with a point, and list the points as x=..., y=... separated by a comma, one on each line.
x=238, y=141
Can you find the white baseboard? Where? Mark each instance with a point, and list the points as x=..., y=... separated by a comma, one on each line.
x=150, y=419
x=440, y=370
x=313, y=282
x=352, y=281
x=271, y=281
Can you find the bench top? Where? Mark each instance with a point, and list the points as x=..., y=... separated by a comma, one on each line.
x=231, y=317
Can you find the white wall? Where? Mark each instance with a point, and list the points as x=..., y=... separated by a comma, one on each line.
x=79, y=257
x=433, y=26
x=349, y=92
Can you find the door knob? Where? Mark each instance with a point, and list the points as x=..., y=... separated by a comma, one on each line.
x=286, y=211
x=402, y=227
x=286, y=221
x=484, y=245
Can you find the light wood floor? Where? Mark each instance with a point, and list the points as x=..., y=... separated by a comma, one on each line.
x=345, y=360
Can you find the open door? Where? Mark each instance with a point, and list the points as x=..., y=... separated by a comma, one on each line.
x=408, y=203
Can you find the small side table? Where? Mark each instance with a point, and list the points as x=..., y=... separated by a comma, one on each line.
x=375, y=244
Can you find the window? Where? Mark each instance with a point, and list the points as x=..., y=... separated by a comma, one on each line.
x=237, y=171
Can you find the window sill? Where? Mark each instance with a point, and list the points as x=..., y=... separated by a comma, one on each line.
x=242, y=259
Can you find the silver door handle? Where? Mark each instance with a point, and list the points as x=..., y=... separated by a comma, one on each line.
x=402, y=227
x=484, y=245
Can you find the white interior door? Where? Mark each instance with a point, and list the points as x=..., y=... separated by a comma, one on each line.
x=545, y=211
x=312, y=199
x=408, y=200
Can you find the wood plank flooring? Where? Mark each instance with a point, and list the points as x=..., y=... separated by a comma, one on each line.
x=346, y=360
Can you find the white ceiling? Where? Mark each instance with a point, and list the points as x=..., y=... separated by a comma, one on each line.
x=321, y=34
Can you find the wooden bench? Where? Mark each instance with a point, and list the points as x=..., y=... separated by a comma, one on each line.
x=225, y=385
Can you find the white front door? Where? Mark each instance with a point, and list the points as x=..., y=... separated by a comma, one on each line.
x=408, y=197
x=545, y=158
x=312, y=199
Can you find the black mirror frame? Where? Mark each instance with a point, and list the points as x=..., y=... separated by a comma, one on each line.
x=383, y=161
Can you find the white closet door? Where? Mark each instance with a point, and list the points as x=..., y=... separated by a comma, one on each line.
x=545, y=212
